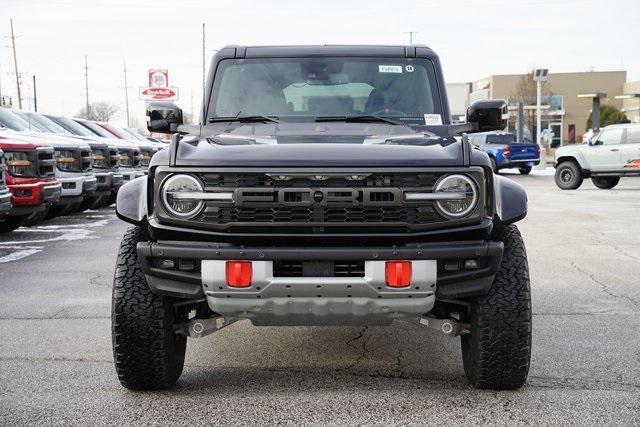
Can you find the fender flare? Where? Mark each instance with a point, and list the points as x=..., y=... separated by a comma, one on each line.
x=510, y=199
x=131, y=202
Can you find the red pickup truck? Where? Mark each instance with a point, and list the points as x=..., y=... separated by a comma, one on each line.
x=30, y=176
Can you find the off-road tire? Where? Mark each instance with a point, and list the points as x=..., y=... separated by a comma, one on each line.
x=605, y=182
x=147, y=354
x=10, y=223
x=497, y=351
x=568, y=175
x=525, y=170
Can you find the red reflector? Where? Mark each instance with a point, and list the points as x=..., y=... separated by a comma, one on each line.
x=239, y=274
x=398, y=273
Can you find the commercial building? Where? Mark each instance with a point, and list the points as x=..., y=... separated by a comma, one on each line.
x=564, y=115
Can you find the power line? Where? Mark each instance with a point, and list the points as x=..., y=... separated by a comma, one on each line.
x=15, y=64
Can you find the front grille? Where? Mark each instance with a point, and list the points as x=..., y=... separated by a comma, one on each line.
x=114, y=158
x=86, y=161
x=327, y=202
x=45, y=162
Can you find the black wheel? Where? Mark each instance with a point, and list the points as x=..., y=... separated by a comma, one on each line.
x=525, y=170
x=110, y=200
x=497, y=352
x=147, y=354
x=10, y=223
x=605, y=182
x=568, y=176
x=86, y=204
x=35, y=218
x=494, y=165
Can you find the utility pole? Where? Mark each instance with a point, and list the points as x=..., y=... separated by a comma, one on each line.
x=411, y=33
x=203, y=59
x=126, y=90
x=15, y=64
x=86, y=86
x=35, y=95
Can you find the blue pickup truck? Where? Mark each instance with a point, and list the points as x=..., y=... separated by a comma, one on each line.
x=505, y=152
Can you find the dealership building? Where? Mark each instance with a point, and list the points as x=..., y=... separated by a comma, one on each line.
x=564, y=114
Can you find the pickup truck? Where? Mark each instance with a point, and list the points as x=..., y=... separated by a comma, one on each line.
x=106, y=159
x=5, y=194
x=611, y=154
x=130, y=156
x=323, y=185
x=30, y=177
x=505, y=152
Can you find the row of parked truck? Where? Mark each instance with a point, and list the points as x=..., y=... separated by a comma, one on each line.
x=52, y=165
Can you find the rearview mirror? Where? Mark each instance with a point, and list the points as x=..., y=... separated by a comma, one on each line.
x=488, y=115
x=164, y=117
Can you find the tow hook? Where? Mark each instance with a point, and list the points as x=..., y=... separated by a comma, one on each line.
x=450, y=327
x=199, y=328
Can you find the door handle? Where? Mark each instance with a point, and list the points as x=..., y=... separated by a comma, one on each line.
x=615, y=149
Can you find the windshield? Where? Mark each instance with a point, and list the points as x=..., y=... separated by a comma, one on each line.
x=95, y=128
x=116, y=131
x=402, y=88
x=135, y=134
x=42, y=122
x=72, y=126
x=10, y=120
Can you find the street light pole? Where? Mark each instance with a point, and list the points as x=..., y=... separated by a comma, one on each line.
x=540, y=75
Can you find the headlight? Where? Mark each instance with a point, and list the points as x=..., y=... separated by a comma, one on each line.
x=99, y=159
x=172, y=189
x=18, y=163
x=125, y=160
x=458, y=207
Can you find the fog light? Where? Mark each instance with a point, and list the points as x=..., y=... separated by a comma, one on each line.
x=239, y=274
x=451, y=265
x=186, y=264
x=471, y=264
x=398, y=273
x=167, y=264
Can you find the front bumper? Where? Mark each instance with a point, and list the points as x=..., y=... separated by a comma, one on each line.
x=38, y=196
x=299, y=300
x=77, y=185
x=130, y=174
x=108, y=181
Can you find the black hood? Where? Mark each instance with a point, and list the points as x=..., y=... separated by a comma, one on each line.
x=318, y=145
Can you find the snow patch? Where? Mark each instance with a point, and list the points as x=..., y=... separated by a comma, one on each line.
x=15, y=256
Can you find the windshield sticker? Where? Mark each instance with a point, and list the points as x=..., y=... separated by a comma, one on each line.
x=389, y=68
x=409, y=68
x=432, y=119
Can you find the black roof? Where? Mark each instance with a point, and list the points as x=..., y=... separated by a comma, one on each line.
x=329, y=50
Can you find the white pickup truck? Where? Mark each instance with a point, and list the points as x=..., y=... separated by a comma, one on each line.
x=613, y=153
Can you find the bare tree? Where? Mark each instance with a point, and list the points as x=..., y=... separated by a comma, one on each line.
x=101, y=111
x=525, y=90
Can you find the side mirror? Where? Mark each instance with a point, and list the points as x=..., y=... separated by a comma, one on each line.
x=488, y=115
x=164, y=117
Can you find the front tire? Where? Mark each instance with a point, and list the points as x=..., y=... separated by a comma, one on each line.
x=568, y=176
x=497, y=352
x=147, y=353
x=605, y=182
x=10, y=223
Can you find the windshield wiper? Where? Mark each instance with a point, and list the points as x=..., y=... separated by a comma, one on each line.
x=244, y=119
x=358, y=119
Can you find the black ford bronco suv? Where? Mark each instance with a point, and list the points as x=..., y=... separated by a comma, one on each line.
x=324, y=185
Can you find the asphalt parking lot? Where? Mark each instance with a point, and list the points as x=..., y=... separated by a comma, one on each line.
x=56, y=363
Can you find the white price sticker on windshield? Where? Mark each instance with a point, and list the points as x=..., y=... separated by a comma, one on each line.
x=389, y=68
x=432, y=119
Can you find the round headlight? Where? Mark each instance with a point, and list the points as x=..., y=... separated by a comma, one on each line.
x=466, y=195
x=174, y=192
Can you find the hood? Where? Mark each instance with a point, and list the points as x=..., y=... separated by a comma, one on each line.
x=318, y=145
x=570, y=149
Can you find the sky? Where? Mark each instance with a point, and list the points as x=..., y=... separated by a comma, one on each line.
x=473, y=38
